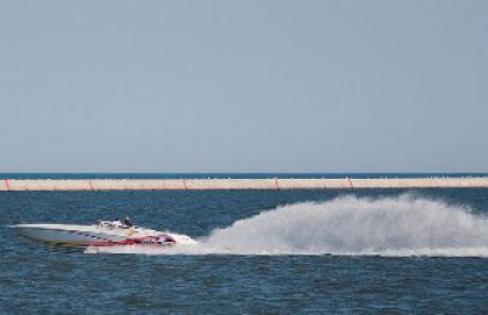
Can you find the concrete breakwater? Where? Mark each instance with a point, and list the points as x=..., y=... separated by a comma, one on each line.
x=7, y=185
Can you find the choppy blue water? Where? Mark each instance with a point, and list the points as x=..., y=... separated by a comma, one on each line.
x=341, y=251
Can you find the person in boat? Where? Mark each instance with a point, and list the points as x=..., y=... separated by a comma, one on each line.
x=127, y=222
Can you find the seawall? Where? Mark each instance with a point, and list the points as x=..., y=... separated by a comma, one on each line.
x=7, y=185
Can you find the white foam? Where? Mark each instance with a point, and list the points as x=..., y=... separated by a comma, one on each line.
x=406, y=225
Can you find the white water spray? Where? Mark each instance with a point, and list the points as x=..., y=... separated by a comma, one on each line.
x=396, y=226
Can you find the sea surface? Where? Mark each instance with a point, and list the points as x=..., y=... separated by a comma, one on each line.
x=366, y=251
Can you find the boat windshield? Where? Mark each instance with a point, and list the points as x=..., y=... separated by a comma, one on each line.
x=117, y=224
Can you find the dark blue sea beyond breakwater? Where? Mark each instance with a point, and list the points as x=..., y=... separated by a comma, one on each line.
x=397, y=251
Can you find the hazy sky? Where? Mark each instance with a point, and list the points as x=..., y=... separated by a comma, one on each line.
x=235, y=86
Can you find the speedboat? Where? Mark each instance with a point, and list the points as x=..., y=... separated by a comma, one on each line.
x=105, y=233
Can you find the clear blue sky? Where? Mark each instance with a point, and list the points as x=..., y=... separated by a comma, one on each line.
x=236, y=86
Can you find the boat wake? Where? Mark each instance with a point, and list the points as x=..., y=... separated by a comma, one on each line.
x=406, y=225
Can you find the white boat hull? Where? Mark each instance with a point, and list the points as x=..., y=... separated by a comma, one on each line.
x=96, y=235
x=65, y=236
